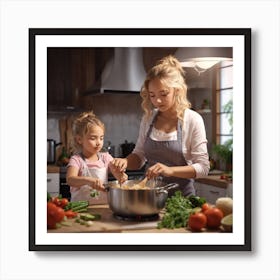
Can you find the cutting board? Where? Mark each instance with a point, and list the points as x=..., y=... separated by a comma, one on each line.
x=69, y=135
x=107, y=223
x=66, y=135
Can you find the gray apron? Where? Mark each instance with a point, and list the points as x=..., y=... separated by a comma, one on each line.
x=168, y=153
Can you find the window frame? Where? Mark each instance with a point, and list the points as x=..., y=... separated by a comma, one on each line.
x=217, y=93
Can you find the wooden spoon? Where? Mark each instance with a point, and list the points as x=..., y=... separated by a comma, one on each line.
x=143, y=182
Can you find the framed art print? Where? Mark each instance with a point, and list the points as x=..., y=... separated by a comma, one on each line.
x=68, y=70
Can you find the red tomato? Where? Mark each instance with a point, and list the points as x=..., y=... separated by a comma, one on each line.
x=55, y=214
x=59, y=215
x=51, y=223
x=63, y=202
x=197, y=221
x=70, y=214
x=56, y=201
x=205, y=206
x=214, y=216
x=51, y=208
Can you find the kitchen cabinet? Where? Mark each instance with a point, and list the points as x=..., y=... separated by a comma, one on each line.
x=70, y=72
x=211, y=193
x=53, y=184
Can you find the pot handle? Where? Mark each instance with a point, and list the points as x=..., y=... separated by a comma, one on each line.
x=166, y=188
x=170, y=186
x=106, y=187
x=58, y=144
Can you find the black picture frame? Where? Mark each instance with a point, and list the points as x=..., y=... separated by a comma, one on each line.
x=34, y=170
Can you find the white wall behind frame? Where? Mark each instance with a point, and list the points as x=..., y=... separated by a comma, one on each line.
x=17, y=16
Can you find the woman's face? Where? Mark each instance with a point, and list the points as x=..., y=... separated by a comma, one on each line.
x=161, y=96
x=92, y=142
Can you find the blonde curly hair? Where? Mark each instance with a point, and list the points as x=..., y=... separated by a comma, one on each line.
x=171, y=74
x=83, y=123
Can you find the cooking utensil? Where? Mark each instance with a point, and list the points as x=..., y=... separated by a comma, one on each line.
x=137, y=202
x=110, y=149
x=127, y=148
x=51, y=150
x=69, y=135
x=143, y=182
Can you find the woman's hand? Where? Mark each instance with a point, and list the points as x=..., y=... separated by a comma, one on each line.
x=120, y=164
x=159, y=169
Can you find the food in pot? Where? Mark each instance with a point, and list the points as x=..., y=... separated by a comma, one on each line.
x=135, y=199
x=133, y=187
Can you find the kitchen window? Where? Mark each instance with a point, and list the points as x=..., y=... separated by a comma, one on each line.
x=224, y=103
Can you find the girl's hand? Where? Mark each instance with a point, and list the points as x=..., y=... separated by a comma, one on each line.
x=119, y=175
x=123, y=178
x=120, y=164
x=97, y=184
x=159, y=169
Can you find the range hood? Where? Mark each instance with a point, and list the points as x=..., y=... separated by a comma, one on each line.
x=124, y=73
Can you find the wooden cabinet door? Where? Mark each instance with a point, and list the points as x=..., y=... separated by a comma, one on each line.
x=209, y=192
x=58, y=76
x=70, y=72
x=212, y=193
x=53, y=184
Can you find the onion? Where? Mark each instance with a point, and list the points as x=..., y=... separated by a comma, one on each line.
x=225, y=204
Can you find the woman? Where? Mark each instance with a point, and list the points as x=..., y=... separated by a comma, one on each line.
x=172, y=138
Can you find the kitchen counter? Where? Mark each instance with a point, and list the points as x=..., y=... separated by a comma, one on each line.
x=108, y=223
x=214, y=179
x=53, y=168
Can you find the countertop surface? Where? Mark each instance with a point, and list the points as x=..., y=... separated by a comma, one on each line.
x=53, y=168
x=215, y=178
x=109, y=223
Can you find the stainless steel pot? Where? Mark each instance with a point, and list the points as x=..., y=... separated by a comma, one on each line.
x=51, y=150
x=140, y=202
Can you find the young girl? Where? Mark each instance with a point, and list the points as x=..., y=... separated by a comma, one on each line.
x=88, y=169
x=172, y=138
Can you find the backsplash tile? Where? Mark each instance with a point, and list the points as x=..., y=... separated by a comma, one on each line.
x=121, y=114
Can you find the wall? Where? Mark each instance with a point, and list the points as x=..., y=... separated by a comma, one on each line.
x=121, y=114
x=200, y=89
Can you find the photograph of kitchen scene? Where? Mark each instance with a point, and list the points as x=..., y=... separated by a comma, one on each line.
x=107, y=81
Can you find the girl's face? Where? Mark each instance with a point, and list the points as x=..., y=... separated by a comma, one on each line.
x=161, y=96
x=92, y=142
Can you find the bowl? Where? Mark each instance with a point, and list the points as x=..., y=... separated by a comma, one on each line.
x=226, y=223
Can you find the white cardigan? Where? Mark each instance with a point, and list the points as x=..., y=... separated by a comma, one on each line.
x=194, y=142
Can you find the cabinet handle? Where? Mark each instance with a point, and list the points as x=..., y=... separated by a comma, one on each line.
x=49, y=179
x=214, y=192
